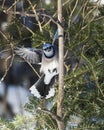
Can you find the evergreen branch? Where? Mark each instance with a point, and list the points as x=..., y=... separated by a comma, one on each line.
x=93, y=72
x=55, y=117
x=75, y=76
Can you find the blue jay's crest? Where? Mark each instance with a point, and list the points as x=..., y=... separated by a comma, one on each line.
x=46, y=46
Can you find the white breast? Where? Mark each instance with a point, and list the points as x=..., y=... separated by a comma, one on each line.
x=50, y=69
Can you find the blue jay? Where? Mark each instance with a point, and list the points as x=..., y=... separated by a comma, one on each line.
x=44, y=87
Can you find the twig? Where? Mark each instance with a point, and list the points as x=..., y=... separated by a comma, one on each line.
x=3, y=4
x=4, y=36
x=12, y=5
x=55, y=117
x=74, y=8
x=32, y=15
x=12, y=58
x=3, y=51
x=37, y=18
x=33, y=68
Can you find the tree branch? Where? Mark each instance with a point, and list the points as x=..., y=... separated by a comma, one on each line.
x=61, y=69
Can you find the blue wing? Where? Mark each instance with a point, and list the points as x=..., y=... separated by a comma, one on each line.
x=31, y=55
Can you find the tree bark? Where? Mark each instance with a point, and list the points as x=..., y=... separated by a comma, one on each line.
x=61, y=69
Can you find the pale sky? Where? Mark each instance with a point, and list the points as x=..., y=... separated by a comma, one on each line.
x=101, y=1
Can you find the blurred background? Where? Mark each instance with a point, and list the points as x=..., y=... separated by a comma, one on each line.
x=30, y=23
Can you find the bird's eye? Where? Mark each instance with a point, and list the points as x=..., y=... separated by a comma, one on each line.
x=45, y=49
x=49, y=47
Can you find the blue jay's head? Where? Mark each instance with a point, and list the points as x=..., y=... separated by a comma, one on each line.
x=48, y=50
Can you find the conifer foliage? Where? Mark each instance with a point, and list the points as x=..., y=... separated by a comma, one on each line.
x=31, y=23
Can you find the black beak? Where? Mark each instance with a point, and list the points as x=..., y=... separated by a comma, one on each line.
x=48, y=49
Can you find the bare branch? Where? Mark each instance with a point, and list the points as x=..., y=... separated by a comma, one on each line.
x=11, y=58
x=37, y=18
x=60, y=95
